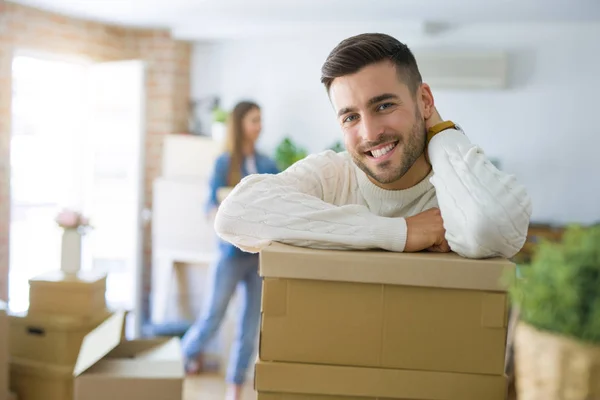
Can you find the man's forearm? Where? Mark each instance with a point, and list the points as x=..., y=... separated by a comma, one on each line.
x=263, y=208
x=486, y=212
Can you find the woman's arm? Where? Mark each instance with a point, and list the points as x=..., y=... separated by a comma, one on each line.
x=217, y=181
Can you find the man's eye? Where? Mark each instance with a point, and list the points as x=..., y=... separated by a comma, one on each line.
x=384, y=106
x=350, y=118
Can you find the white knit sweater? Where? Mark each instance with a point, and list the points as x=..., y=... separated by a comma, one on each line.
x=326, y=201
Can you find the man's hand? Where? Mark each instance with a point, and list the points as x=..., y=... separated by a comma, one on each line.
x=425, y=231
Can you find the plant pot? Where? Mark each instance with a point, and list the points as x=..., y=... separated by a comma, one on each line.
x=218, y=131
x=554, y=367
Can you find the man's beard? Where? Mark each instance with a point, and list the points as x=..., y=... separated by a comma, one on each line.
x=411, y=146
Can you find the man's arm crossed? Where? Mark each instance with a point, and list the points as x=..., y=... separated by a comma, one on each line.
x=486, y=212
x=291, y=208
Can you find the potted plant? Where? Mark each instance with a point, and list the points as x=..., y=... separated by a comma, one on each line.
x=287, y=153
x=557, y=341
x=219, y=120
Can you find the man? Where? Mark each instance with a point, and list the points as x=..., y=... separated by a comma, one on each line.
x=408, y=182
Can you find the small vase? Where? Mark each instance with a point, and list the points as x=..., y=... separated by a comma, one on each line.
x=553, y=367
x=70, y=262
x=218, y=131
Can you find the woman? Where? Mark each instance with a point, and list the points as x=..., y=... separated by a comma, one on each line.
x=233, y=266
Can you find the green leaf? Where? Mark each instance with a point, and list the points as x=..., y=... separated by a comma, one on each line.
x=287, y=153
x=219, y=115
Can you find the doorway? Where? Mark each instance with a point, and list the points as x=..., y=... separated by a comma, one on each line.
x=77, y=141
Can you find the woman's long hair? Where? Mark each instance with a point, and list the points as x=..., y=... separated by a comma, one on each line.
x=236, y=139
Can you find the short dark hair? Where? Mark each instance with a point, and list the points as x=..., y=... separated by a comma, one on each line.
x=357, y=52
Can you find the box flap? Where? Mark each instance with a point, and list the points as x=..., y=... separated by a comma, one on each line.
x=444, y=270
x=159, y=349
x=169, y=350
x=100, y=342
x=376, y=383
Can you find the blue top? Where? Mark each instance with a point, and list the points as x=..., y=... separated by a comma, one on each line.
x=264, y=165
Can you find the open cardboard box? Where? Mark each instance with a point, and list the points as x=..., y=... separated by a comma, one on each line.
x=420, y=312
x=106, y=368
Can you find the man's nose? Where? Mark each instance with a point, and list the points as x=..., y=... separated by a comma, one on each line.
x=371, y=129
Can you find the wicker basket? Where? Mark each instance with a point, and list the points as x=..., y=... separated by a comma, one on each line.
x=553, y=367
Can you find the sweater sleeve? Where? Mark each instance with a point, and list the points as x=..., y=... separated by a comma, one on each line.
x=295, y=207
x=486, y=212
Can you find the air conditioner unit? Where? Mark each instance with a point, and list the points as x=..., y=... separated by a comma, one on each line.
x=464, y=70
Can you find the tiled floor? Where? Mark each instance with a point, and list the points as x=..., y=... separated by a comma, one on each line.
x=211, y=387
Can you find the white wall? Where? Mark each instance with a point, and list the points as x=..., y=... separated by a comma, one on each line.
x=543, y=128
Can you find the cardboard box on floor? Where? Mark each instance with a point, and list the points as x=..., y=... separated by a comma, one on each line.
x=425, y=311
x=106, y=368
x=3, y=348
x=285, y=381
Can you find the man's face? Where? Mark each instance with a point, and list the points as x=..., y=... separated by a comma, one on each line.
x=383, y=127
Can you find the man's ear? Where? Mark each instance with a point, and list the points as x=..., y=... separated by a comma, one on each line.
x=426, y=101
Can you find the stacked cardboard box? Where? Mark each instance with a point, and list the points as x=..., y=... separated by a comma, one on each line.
x=375, y=324
x=106, y=368
x=45, y=340
x=69, y=346
x=79, y=296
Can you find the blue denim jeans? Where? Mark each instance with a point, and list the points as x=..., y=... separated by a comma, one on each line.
x=226, y=275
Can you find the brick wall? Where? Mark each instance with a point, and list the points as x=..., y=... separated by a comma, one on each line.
x=168, y=90
x=167, y=74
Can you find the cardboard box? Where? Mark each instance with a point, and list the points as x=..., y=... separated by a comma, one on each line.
x=283, y=381
x=142, y=370
x=178, y=224
x=3, y=348
x=189, y=156
x=58, y=293
x=426, y=311
x=32, y=380
x=47, y=338
x=106, y=368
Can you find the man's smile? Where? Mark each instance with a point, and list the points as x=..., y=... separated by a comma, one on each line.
x=382, y=152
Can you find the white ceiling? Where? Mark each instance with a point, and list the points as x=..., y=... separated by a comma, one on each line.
x=215, y=19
